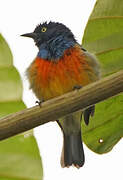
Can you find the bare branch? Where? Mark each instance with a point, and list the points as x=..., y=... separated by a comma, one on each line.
x=61, y=106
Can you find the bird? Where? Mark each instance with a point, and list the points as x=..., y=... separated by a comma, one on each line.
x=61, y=66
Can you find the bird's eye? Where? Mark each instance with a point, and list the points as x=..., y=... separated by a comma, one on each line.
x=43, y=29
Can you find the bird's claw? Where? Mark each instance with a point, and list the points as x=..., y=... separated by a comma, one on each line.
x=39, y=102
x=77, y=87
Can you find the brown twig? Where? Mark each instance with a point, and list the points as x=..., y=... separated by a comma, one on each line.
x=61, y=106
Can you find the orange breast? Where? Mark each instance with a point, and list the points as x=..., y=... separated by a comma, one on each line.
x=49, y=79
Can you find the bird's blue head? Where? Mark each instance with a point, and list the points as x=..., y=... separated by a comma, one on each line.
x=52, y=39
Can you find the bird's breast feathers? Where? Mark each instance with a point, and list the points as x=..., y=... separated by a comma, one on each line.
x=51, y=78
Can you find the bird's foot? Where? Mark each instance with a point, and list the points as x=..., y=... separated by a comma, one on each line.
x=77, y=87
x=39, y=102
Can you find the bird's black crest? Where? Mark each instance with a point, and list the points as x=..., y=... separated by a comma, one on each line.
x=50, y=25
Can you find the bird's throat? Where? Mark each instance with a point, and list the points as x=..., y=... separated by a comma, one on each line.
x=54, y=48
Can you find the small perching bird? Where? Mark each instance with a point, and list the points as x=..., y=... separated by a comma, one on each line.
x=61, y=66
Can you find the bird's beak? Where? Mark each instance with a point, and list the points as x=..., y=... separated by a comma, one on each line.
x=30, y=35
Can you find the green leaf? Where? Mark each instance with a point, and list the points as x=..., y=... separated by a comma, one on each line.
x=5, y=53
x=103, y=36
x=19, y=155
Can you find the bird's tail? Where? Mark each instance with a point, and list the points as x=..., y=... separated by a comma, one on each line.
x=72, y=153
